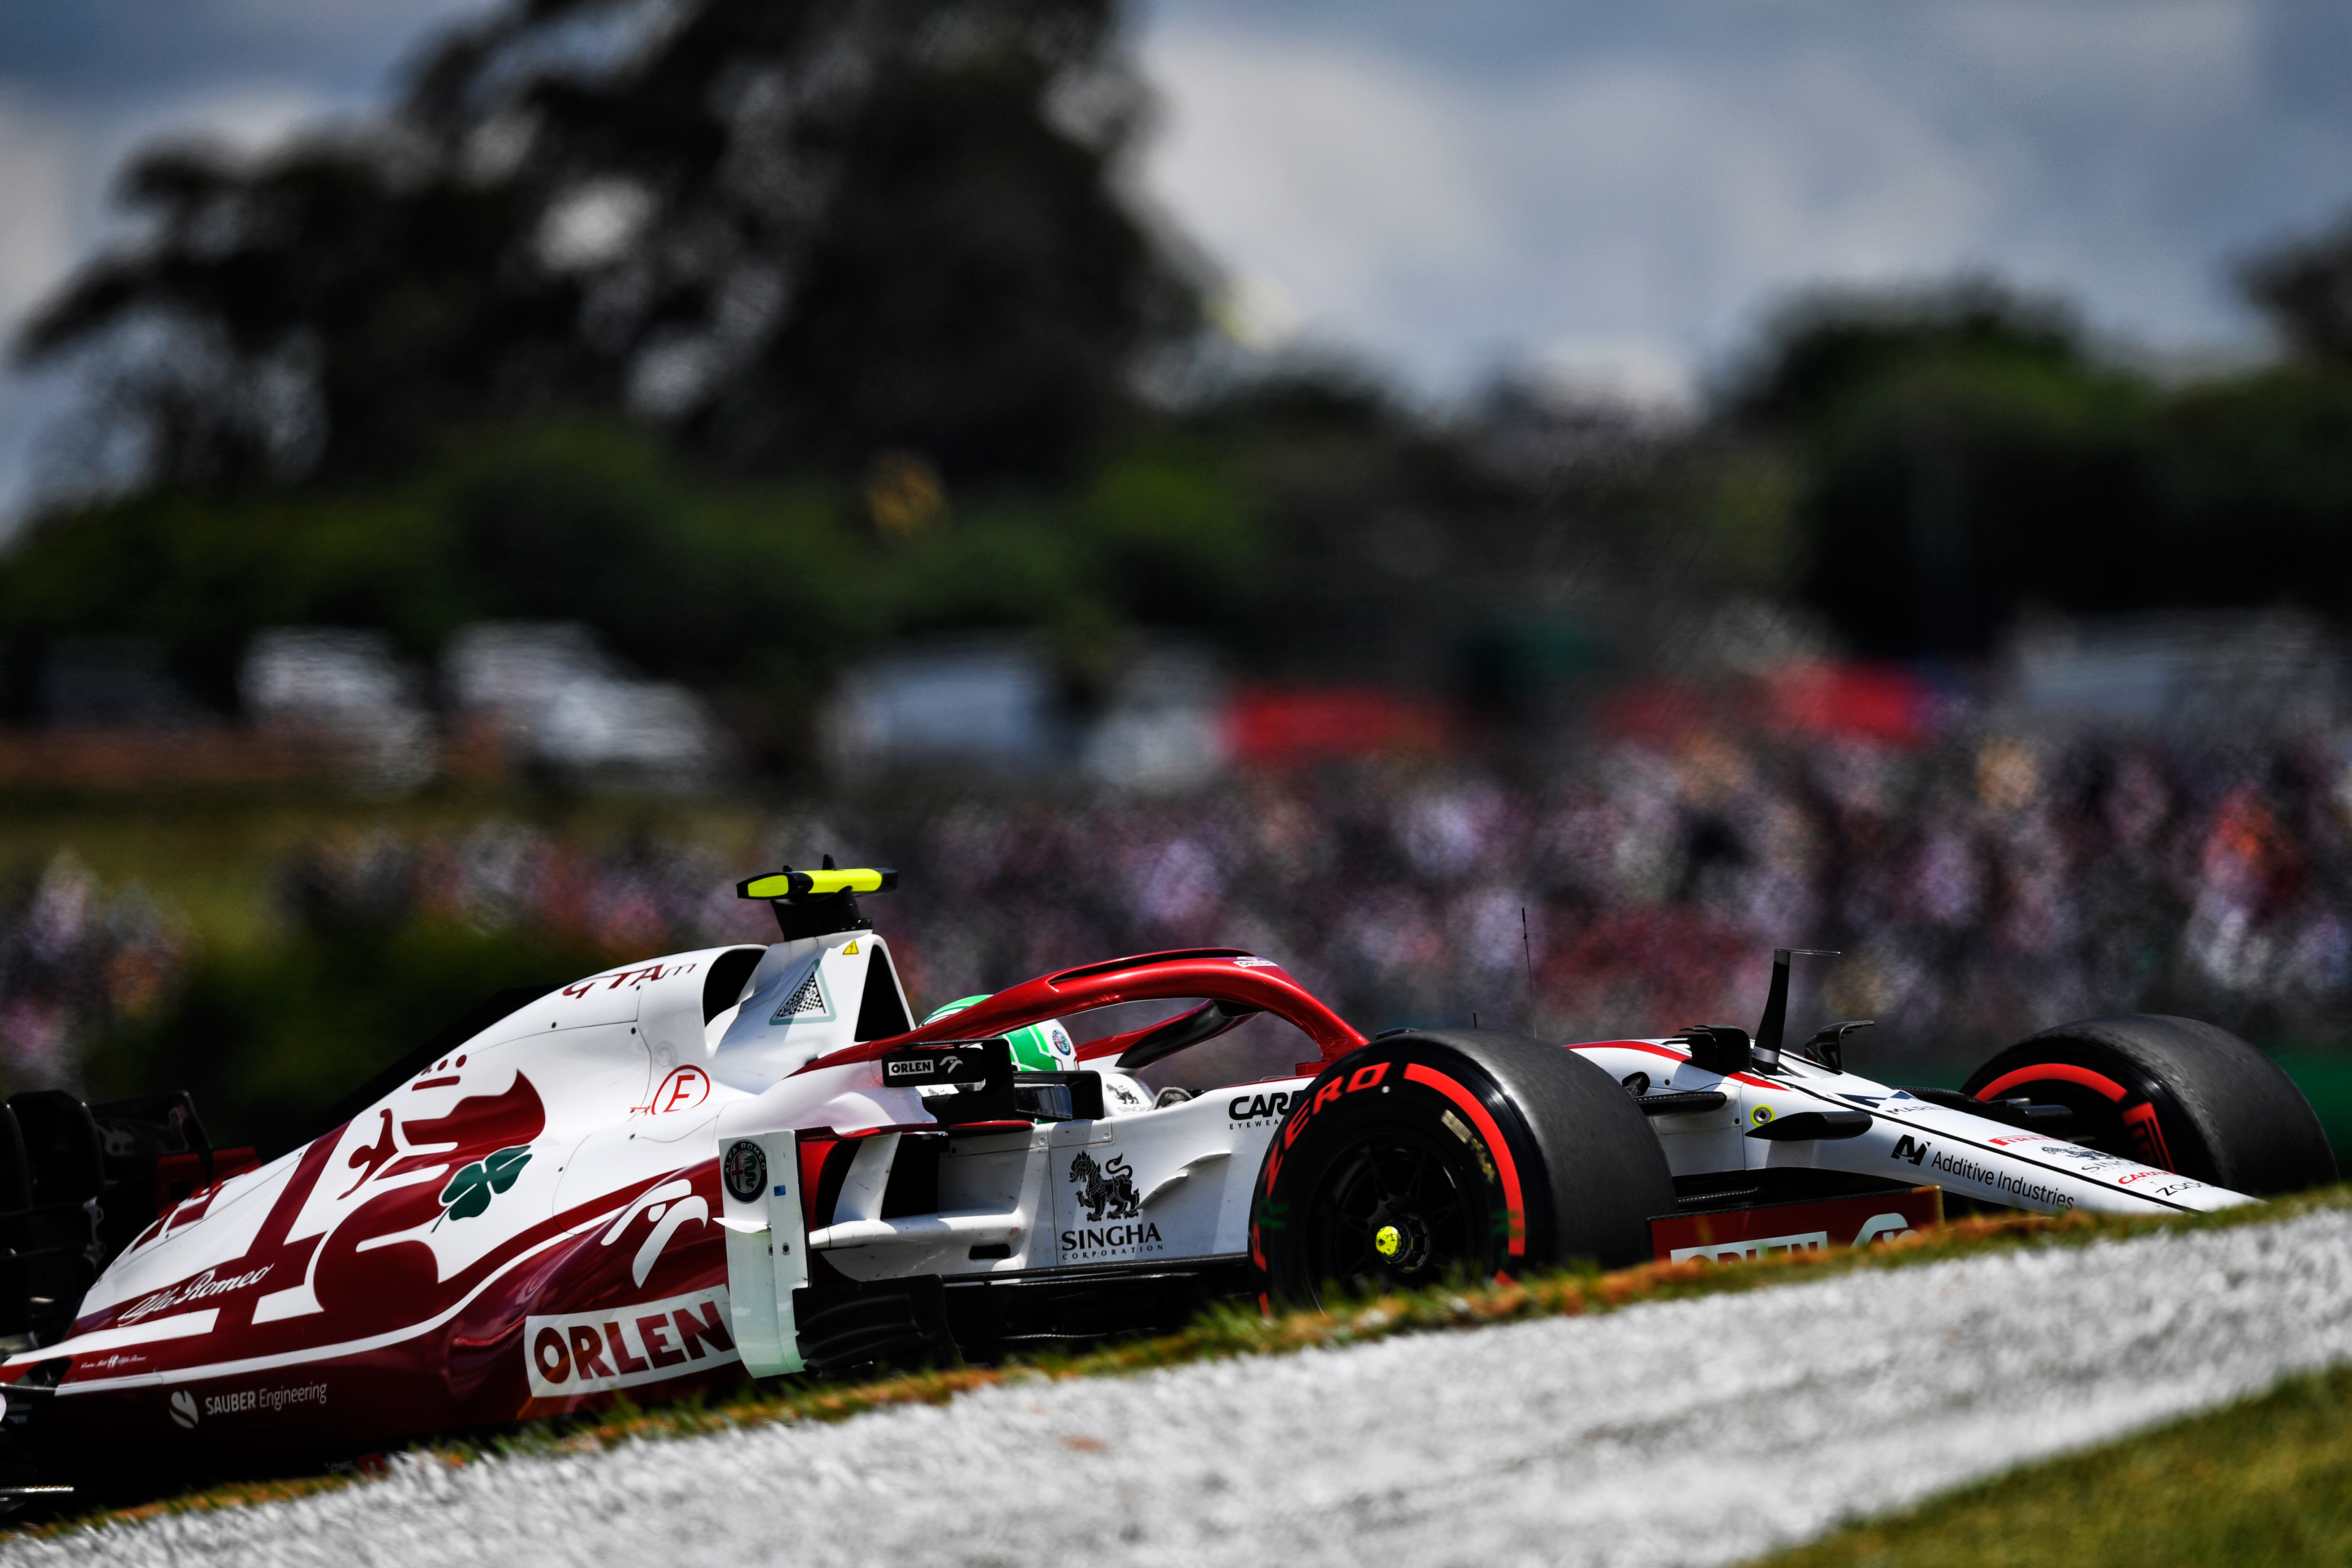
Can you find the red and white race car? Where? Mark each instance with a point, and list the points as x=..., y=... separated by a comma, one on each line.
x=745, y=1162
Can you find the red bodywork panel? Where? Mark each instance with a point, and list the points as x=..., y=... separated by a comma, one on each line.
x=1731, y=1234
x=348, y=1324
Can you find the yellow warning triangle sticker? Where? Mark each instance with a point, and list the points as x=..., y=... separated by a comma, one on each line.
x=851, y=949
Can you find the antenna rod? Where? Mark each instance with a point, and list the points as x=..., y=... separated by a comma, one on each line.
x=1527, y=948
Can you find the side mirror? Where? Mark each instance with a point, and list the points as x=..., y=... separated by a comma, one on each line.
x=1059, y=1095
x=1827, y=1044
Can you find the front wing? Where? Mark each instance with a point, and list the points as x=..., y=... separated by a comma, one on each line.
x=1906, y=1139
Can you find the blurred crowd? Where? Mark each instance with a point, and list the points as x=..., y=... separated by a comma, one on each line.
x=1978, y=887
x=74, y=958
x=638, y=898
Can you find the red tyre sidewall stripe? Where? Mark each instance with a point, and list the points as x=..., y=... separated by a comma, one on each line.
x=2148, y=1134
x=1416, y=1073
x=2063, y=1072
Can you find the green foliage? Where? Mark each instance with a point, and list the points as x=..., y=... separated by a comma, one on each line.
x=2253, y=483
x=579, y=521
x=200, y=576
x=1953, y=488
x=1171, y=528
x=1826, y=350
x=753, y=589
x=974, y=291
x=1964, y=456
x=2304, y=285
x=1379, y=539
x=683, y=574
x=2325, y=1076
x=2267, y=1480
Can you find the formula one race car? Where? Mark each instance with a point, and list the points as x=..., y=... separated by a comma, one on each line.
x=744, y=1162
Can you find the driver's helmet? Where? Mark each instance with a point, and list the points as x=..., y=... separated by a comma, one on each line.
x=1043, y=1046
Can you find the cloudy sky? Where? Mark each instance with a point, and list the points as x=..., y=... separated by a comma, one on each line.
x=1612, y=195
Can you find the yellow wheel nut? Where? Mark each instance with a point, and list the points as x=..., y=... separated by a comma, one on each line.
x=1389, y=1240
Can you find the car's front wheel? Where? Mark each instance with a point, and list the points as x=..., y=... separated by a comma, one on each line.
x=1454, y=1154
x=2174, y=1093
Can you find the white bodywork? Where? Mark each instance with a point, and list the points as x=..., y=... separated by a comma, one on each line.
x=1184, y=1173
x=1908, y=1139
x=611, y=1175
x=638, y=1091
x=1179, y=1175
x=1189, y=1168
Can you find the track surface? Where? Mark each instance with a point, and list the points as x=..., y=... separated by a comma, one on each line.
x=1694, y=1432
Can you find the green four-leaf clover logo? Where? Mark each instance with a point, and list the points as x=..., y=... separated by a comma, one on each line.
x=470, y=1190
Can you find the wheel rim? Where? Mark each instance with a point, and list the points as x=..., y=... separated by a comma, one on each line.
x=2132, y=1126
x=1392, y=1211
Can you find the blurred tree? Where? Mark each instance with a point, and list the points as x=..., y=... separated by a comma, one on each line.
x=689, y=577
x=2257, y=471
x=324, y=313
x=1386, y=540
x=798, y=233
x=2305, y=288
x=2253, y=483
x=1824, y=349
x=1965, y=457
x=750, y=589
x=1960, y=454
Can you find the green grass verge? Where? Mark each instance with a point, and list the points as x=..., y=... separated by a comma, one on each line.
x=2266, y=1481
x=2324, y=1075
x=1227, y=1332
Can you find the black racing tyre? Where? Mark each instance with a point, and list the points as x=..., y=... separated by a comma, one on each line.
x=1453, y=1153
x=2173, y=1093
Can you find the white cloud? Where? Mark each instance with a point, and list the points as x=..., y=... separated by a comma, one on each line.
x=36, y=171
x=57, y=169
x=82, y=88
x=1594, y=190
x=247, y=120
x=1632, y=371
x=1327, y=174
x=58, y=164
x=1662, y=187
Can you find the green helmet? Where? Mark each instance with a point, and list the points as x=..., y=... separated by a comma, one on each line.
x=1040, y=1048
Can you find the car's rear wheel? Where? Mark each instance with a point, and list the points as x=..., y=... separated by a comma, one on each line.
x=2174, y=1093
x=1454, y=1154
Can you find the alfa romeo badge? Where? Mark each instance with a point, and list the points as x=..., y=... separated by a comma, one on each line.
x=746, y=1169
